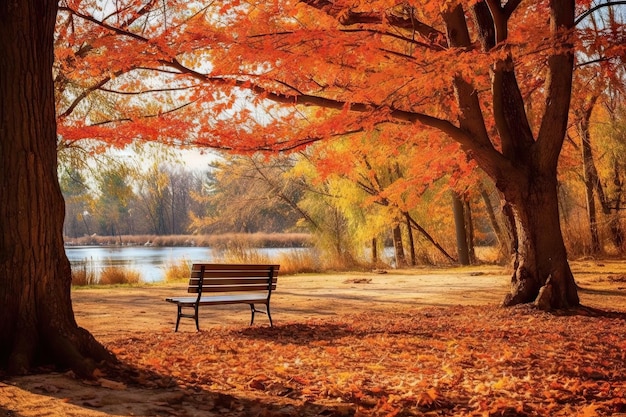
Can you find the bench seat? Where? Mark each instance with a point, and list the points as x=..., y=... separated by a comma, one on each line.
x=220, y=299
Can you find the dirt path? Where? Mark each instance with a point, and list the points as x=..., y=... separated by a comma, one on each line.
x=113, y=313
x=108, y=312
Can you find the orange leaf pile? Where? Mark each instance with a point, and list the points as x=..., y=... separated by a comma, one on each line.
x=458, y=361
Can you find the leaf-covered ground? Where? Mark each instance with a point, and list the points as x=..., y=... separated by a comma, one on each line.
x=434, y=361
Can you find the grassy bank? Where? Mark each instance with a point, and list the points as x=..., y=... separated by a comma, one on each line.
x=253, y=240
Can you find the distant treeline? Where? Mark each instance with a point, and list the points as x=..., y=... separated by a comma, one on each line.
x=250, y=240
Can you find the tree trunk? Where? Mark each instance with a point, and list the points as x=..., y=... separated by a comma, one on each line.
x=469, y=225
x=37, y=323
x=407, y=217
x=504, y=240
x=589, y=179
x=398, y=246
x=541, y=259
x=461, y=231
x=374, y=251
x=525, y=171
x=590, y=174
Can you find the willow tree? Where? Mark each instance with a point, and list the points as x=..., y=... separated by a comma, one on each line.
x=37, y=320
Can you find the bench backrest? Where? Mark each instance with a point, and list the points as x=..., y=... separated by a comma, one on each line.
x=232, y=278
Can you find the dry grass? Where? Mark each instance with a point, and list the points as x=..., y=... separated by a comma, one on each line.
x=177, y=271
x=83, y=274
x=239, y=252
x=298, y=262
x=112, y=275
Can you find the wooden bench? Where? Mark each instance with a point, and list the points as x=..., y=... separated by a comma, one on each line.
x=228, y=284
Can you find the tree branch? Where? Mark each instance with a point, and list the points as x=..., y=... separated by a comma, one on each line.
x=595, y=9
x=349, y=18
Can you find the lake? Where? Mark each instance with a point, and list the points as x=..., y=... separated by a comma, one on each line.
x=149, y=261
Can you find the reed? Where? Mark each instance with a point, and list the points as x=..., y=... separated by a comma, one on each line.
x=83, y=274
x=239, y=252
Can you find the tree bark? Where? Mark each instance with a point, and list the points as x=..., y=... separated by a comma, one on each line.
x=541, y=258
x=37, y=322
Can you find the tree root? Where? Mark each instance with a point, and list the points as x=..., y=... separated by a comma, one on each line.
x=74, y=348
x=80, y=352
x=544, y=299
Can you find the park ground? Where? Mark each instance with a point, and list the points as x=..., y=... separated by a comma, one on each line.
x=423, y=342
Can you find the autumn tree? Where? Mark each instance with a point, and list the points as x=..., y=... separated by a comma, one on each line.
x=494, y=77
x=37, y=319
x=519, y=154
x=388, y=184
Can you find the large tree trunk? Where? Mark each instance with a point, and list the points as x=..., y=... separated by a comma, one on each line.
x=526, y=175
x=37, y=322
x=541, y=270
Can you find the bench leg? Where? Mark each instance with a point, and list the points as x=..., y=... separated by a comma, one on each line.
x=178, y=317
x=267, y=311
x=252, y=311
x=181, y=314
x=269, y=316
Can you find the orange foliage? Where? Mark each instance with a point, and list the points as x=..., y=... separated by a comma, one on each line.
x=282, y=74
x=219, y=72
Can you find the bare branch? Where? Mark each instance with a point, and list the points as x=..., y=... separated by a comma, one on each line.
x=595, y=9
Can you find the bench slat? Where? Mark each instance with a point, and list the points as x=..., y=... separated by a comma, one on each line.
x=233, y=274
x=232, y=281
x=231, y=288
x=230, y=267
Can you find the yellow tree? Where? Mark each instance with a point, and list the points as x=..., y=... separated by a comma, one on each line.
x=386, y=180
